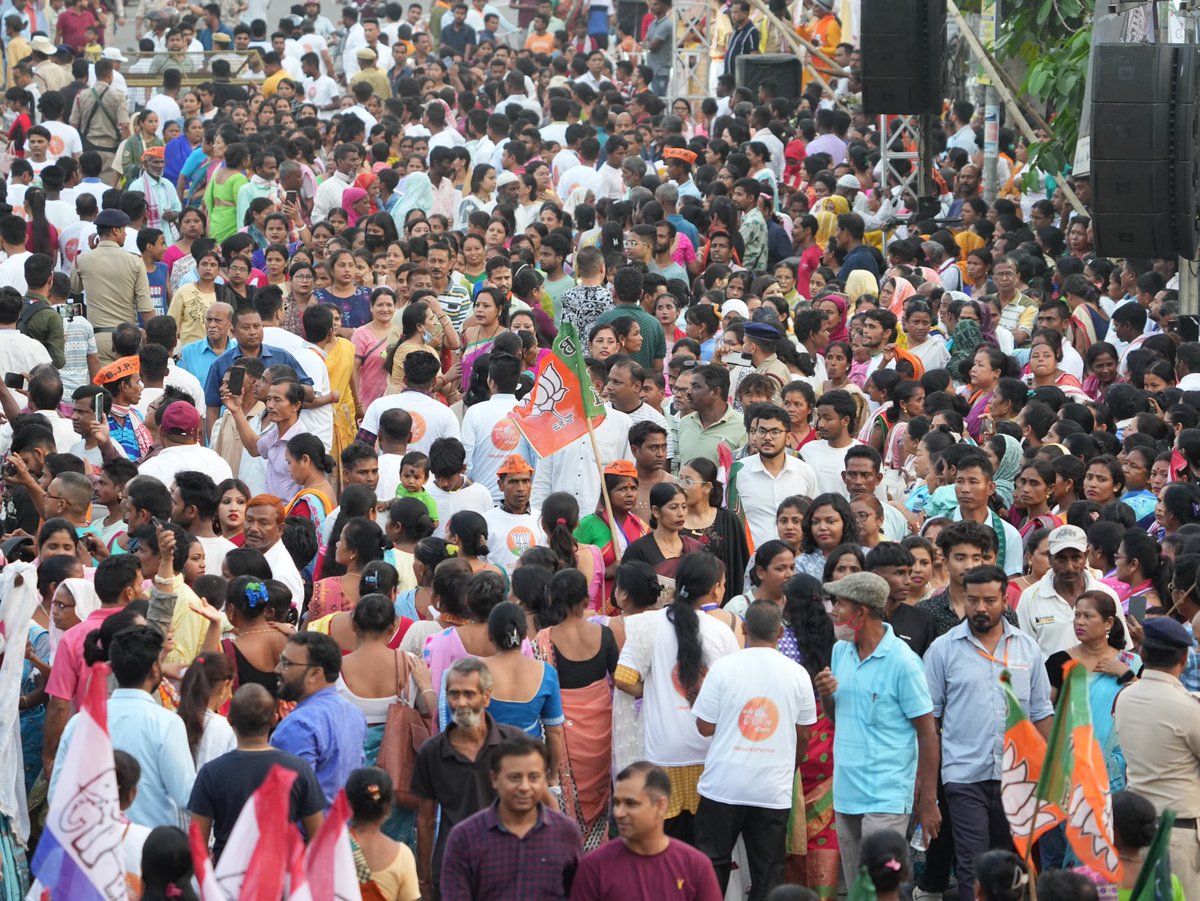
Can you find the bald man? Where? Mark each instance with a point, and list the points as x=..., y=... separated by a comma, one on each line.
x=197, y=356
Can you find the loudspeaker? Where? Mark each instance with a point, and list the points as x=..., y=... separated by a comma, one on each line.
x=1143, y=142
x=903, y=43
x=781, y=72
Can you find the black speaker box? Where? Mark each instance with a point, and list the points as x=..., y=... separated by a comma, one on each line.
x=903, y=42
x=780, y=71
x=1143, y=143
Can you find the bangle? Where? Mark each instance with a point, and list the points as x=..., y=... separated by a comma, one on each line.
x=159, y=580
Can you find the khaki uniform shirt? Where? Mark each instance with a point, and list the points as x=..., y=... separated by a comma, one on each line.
x=115, y=283
x=776, y=369
x=50, y=76
x=378, y=81
x=100, y=130
x=1158, y=725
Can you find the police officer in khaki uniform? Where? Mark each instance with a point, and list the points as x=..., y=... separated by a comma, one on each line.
x=1158, y=726
x=761, y=339
x=113, y=280
x=101, y=117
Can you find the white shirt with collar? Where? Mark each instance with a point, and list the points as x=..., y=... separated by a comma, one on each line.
x=1014, y=553
x=283, y=569
x=1043, y=614
x=318, y=420
x=766, y=136
x=573, y=468
x=329, y=195
x=1190, y=382
x=759, y=493
x=964, y=138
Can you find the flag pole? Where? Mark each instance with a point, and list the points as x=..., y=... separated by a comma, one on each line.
x=1029, y=867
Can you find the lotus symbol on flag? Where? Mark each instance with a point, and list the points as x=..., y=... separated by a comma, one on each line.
x=551, y=393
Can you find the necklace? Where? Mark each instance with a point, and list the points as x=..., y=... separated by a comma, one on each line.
x=252, y=631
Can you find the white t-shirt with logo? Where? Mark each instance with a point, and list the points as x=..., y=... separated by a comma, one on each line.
x=322, y=91
x=431, y=420
x=672, y=738
x=489, y=437
x=756, y=698
x=510, y=535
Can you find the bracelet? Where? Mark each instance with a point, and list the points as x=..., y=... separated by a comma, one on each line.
x=159, y=580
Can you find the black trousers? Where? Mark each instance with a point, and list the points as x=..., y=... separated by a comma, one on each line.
x=764, y=832
x=939, y=856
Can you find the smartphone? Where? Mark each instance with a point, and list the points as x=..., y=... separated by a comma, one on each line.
x=14, y=380
x=101, y=403
x=293, y=197
x=1137, y=608
x=737, y=358
x=237, y=379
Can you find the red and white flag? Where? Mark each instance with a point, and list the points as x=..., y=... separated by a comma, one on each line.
x=202, y=864
x=256, y=857
x=330, y=859
x=298, y=888
x=80, y=856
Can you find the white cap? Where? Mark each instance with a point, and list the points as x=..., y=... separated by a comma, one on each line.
x=506, y=178
x=114, y=54
x=735, y=305
x=849, y=181
x=1068, y=538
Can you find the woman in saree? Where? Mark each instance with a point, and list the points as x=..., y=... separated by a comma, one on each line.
x=812, y=844
x=321, y=328
x=369, y=341
x=489, y=320
x=129, y=154
x=309, y=466
x=374, y=677
x=1089, y=323
x=1101, y=651
x=585, y=655
x=860, y=283
x=356, y=205
x=220, y=197
x=1006, y=457
x=385, y=868
x=666, y=544
x=901, y=293
x=198, y=168
x=988, y=366
x=1045, y=360
x=620, y=484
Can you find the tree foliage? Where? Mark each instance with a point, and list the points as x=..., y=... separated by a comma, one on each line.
x=1053, y=39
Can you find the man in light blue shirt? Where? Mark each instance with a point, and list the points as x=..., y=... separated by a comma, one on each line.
x=963, y=669
x=885, y=744
x=325, y=729
x=197, y=357
x=142, y=728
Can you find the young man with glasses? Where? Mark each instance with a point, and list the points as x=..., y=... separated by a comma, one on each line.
x=758, y=484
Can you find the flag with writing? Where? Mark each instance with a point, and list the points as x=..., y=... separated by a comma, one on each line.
x=80, y=856
x=256, y=857
x=1024, y=751
x=1075, y=779
x=557, y=409
x=1154, y=881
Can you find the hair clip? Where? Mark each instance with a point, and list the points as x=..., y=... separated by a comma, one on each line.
x=451, y=550
x=372, y=580
x=560, y=521
x=373, y=792
x=682, y=592
x=893, y=865
x=256, y=594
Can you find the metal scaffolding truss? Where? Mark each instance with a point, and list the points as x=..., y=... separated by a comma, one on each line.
x=893, y=148
x=689, y=73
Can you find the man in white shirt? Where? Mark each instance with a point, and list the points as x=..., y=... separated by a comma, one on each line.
x=584, y=174
x=757, y=705
x=514, y=84
x=1046, y=610
x=759, y=119
x=431, y=419
x=45, y=393
x=973, y=486
x=612, y=185
x=264, y=533
x=488, y=435
x=194, y=503
x=513, y=526
x=961, y=133
x=759, y=483
x=329, y=192
x=12, y=243
x=319, y=88
x=835, y=411
x=318, y=420
x=1056, y=316
x=449, y=486
x=18, y=352
x=180, y=430
x=573, y=468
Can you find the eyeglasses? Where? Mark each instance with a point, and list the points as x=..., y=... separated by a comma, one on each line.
x=863, y=515
x=59, y=605
x=692, y=483
x=768, y=433
x=54, y=497
x=284, y=663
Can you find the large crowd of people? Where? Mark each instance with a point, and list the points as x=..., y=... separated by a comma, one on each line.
x=264, y=331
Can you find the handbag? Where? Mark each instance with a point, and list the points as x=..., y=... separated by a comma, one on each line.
x=403, y=734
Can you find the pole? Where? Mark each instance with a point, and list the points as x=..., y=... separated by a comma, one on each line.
x=991, y=111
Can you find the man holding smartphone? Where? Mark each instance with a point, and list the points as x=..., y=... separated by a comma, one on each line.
x=90, y=420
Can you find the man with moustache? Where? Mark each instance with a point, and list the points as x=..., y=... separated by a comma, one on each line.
x=963, y=667
x=453, y=768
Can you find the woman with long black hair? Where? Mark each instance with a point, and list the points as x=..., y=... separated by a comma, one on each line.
x=667, y=673
x=708, y=521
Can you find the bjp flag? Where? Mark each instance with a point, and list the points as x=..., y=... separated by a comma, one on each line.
x=557, y=410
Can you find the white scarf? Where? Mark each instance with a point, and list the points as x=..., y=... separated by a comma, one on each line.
x=20, y=600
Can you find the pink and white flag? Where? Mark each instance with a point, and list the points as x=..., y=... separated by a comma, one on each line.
x=330, y=859
x=298, y=888
x=80, y=855
x=256, y=857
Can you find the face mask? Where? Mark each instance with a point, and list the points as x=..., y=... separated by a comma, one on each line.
x=428, y=337
x=374, y=240
x=843, y=632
